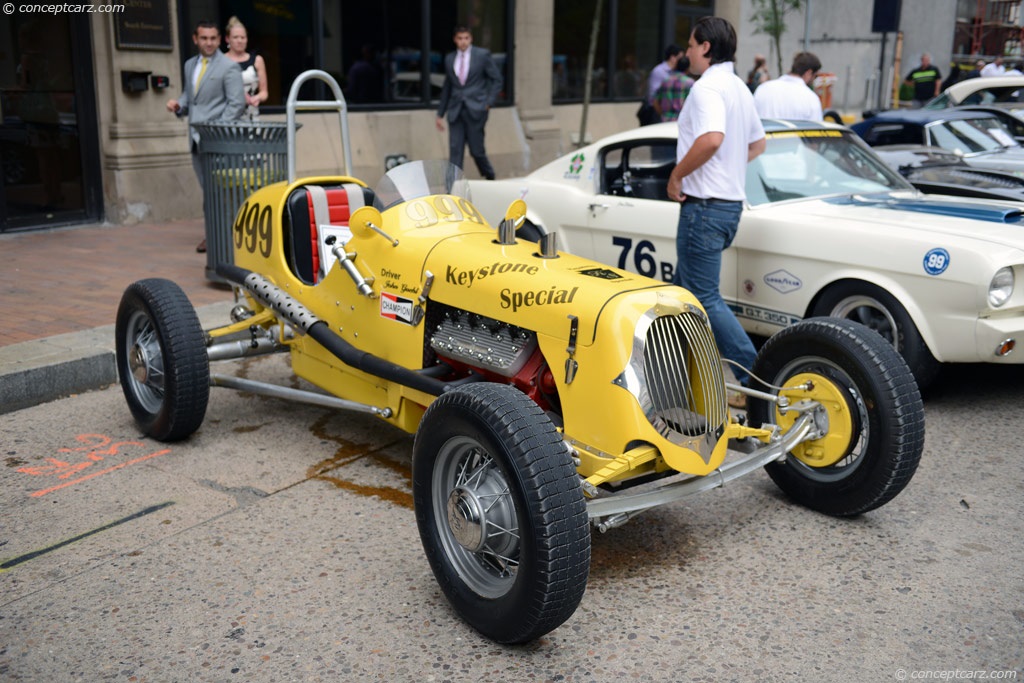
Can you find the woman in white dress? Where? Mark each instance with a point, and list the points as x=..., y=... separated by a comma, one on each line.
x=254, y=69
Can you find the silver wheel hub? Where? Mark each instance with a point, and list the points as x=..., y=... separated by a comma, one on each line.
x=475, y=516
x=139, y=364
x=466, y=519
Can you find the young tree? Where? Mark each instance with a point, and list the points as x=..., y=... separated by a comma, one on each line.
x=595, y=30
x=770, y=18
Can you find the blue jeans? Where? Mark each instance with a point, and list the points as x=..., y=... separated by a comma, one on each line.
x=706, y=228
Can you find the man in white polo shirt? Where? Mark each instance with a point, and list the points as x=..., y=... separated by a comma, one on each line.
x=790, y=96
x=719, y=132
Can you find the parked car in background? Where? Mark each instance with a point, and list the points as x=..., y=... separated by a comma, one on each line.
x=977, y=136
x=829, y=230
x=1013, y=122
x=1005, y=92
x=936, y=171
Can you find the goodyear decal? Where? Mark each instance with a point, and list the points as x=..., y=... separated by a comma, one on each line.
x=539, y=297
x=936, y=261
x=466, y=278
x=783, y=281
x=396, y=307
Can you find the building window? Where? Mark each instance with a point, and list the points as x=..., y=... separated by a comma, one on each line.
x=384, y=54
x=631, y=40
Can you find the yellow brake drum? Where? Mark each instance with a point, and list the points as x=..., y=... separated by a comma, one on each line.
x=834, y=446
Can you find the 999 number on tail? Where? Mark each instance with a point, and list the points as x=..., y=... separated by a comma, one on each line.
x=253, y=229
x=644, y=261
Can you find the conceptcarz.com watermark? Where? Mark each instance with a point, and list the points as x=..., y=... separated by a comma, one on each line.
x=61, y=8
x=954, y=675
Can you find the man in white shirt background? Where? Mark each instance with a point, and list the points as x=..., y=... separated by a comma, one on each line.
x=719, y=132
x=790, y=96
x=995, y=68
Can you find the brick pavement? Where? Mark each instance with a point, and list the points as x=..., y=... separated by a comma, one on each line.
x=71, y=279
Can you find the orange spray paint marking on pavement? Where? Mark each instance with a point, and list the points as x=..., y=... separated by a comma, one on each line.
x=95, y=447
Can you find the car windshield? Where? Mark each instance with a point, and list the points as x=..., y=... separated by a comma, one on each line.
x=970, y=136
x=800, y=164
x=420, y=179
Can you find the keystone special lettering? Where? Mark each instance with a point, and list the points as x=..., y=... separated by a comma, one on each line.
x=466, y=278
x=540, y=297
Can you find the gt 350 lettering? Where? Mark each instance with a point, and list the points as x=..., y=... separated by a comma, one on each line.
x=428, y=212
x=765, y=315
x=540, y=297
x=253, y=229
x=465, y=278
x=643, y=259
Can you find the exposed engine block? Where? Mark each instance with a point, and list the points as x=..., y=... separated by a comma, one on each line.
x=481, y=342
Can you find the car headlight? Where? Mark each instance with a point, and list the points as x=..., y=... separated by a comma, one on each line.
x=1001, y=287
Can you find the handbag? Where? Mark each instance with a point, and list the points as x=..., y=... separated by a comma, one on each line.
x=647, y=114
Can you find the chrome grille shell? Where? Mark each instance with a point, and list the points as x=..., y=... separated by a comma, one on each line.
x=675, y=374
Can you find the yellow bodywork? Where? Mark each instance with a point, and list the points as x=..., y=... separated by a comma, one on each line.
x=444, y=241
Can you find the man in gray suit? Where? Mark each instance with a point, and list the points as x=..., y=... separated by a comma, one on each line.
x=471, y=85
x=211, y=91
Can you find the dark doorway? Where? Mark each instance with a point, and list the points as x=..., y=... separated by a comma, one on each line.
x=48, y=141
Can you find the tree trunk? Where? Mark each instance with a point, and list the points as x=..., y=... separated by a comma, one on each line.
x=589, y=74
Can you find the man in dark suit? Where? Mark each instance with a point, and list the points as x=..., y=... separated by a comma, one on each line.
x=471, y=85
x=211, y=91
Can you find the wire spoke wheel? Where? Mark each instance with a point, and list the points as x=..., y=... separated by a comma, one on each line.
x=161, y=359
x=500, y=511
x=482, y=532
x=145, y=362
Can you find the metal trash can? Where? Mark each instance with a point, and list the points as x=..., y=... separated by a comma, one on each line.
x=238, y=158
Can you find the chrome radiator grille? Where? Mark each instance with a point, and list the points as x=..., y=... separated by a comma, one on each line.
x=677, y=377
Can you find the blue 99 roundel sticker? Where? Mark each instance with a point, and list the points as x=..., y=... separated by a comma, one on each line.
x=936, y=261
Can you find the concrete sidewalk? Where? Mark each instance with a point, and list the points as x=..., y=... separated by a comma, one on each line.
x=60, y=293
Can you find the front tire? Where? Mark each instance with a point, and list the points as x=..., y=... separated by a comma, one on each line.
x=501, y=512
x=876, y=308
x=161, y=359
x=870, y=403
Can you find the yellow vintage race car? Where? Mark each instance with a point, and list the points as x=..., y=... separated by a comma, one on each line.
x=548, y=394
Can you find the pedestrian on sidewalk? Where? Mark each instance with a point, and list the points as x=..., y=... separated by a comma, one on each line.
x=254, y=68
x=926, y=79
x=669, y=98
x=212, y=90
x=471, y=86
x=790, y=96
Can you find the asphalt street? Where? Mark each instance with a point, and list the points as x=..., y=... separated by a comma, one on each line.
x=279, y=544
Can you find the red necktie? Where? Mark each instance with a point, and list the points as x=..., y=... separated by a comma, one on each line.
x=462, y=68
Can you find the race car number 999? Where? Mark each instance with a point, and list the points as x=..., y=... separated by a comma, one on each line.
x=427, y=213
x=253, y=229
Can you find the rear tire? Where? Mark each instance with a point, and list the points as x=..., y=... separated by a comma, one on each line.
x=874, y=414
x=161, y=359
x=501, y=512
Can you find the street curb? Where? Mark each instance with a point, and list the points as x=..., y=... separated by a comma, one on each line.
x=44, y=370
